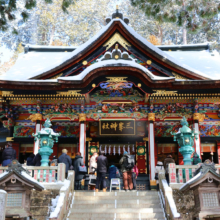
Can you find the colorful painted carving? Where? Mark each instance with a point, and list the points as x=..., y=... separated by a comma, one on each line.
x=23, y=131
x=209, y=130
x=67, y=131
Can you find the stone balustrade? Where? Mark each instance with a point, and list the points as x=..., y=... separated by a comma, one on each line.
x=182, y=173
x=45, y=174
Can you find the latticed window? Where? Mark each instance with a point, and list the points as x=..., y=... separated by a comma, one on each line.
x=210, y=199
x=14, y=200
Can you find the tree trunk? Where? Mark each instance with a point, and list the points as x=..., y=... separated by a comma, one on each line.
x=160, y=34
x=52, y=35
x=184, y=35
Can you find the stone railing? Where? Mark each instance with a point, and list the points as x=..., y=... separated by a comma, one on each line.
x=45, y=174
x=65, y=199
x=183, y=173
x=166, y=195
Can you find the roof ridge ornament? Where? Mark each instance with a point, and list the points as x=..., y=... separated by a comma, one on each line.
x=116, y=54
x=117, y=15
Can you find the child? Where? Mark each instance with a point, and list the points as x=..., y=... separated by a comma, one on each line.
x=134, y=176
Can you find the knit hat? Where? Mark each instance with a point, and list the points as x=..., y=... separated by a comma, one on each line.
x=125, y=152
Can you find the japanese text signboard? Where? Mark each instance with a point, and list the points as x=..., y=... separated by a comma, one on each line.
x=116, y=127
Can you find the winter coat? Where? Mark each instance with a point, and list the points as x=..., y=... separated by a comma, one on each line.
x=167, y=161
x=64, y=158
x=102, y=164
x=30, y=161
x=112, y=172
x=135, y=170
x=37, y=160
x=9, y=153
x=159, y=167
x=78, y=162
x=92, y=163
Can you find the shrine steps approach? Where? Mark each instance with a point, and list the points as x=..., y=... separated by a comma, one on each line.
x=144, y=205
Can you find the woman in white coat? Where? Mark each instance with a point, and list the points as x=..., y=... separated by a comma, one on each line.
x=159, y=167
x=93, y=163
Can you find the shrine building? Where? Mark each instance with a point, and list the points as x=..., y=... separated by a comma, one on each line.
x=115, y=92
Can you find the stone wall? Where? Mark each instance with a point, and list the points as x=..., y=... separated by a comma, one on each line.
x=40, y=203
x=185, y=203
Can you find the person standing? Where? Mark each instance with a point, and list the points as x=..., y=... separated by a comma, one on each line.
x=159, y=167
x=134, y=176
x=167, y=161
x=93, y=163
x=127, y=173
x=64, y=158
x=78, y=176
x=37, y=160
x=30, y=160
x=8, y=155
x=102, y=164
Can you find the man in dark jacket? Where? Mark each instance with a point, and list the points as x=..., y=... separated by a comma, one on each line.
x=102, y=164
x=78, y=161
x=8, y=155
x=167, y=161
x=64, y=158
x=37, y=160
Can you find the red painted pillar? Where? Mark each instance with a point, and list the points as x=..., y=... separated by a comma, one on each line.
x=218, y=151
x=16, y=146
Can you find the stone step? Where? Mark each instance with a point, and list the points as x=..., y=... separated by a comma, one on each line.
x=118, y=205
x=104, y=198
x=121, y=193
x=97, y=218
x=109, y=216
x=116, y=210
x=123, y=201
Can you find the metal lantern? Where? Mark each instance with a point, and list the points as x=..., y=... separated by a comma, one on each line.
x=185, y=138
x=46, y=138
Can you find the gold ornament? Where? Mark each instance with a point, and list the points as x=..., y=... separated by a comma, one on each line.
x=70, y=92
x=177, y=76
x=93, y=85
x=116, y=57
x=116, y=38
x=84, y=62
x=35, y=117
x=140, y=150
x=139, y=85
x=82, y=117
x=151, y=116
x=93, y=150
x=164, y=92
x=149, y=62
x=116, y=79
x=198, y=117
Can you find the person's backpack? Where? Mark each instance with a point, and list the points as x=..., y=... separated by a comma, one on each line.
x=129, y=162
x=117, y=173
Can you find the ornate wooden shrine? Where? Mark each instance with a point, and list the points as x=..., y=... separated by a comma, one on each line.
x=115, y=92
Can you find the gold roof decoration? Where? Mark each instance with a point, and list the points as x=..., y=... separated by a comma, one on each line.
x=57, y=76
x=7, y=93
x=70, y=92
x=116, y=79
x=164, y=92
x=177, y=76
x=116, y=38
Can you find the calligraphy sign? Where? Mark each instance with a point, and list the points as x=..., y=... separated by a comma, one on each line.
x=116, y=127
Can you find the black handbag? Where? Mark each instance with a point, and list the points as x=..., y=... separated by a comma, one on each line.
x=156, y=176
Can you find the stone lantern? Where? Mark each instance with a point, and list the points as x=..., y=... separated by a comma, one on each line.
x=185, y=138
x=46, y=138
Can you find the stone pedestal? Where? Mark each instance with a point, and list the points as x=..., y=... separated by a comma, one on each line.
x=3, y=201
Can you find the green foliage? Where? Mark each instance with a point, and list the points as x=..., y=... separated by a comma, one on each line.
x=9, y=12
x=190, y=14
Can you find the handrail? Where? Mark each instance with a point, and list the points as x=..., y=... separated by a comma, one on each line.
x=167, y=198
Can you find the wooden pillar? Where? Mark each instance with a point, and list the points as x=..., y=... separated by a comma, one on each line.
x=82, y=135
x=36, y=143
x=151, y=144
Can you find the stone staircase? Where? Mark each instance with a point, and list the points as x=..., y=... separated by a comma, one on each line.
x=142, y=205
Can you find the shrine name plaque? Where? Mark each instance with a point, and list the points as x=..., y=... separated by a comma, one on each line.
x=117, y=127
